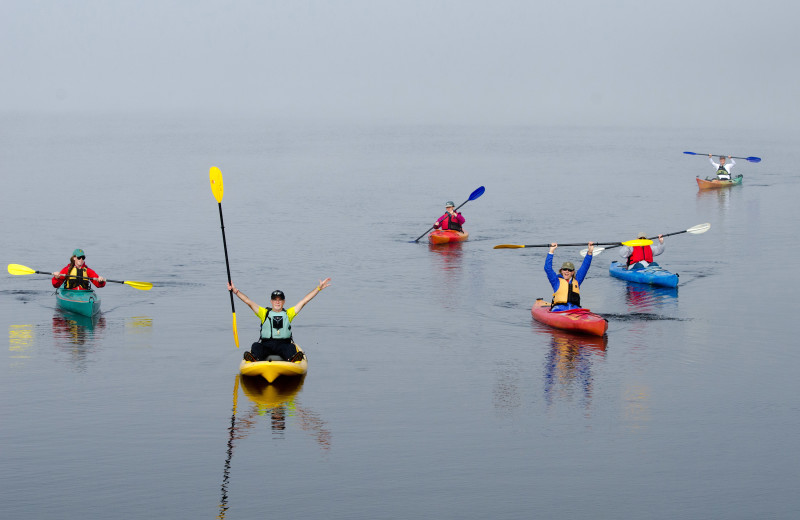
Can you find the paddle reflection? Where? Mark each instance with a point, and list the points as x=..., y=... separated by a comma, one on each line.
x=277, y=401
x=20, y=340
x=568, y=365
x=77, y=335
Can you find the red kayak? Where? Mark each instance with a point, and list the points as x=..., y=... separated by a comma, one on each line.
x=445, y=236
x=576, y=320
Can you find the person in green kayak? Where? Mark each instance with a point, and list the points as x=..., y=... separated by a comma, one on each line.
x=77, y=274
x=723, y=170
x=566, y=283
x=276, y=324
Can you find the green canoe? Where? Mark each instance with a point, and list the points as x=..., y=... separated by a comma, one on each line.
x=85, y=303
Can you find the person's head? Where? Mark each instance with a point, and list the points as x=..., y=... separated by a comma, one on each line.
x=78, y=258
x=641, y=235
x=567, y=270
x=721, y=160
x=277, y=299
x=449, y=205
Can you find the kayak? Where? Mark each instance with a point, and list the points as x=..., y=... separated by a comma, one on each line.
x=713, y=182
x=652, y=274
x=576, y=320
x=274, y=367
x=85, y=303
x=445, y=236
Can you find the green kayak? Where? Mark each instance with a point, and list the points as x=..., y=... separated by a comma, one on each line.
x=85, y=303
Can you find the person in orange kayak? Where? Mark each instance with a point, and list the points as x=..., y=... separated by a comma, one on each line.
x=566, y=287
x=640, y=257
x=77, y=274
x=451, y=219
x=723, y=170
x=276, y=324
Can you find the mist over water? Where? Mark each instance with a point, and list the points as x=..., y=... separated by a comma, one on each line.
x=430, y=392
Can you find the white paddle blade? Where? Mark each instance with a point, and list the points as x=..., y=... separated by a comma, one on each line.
x=699, y=228
x=597, y=251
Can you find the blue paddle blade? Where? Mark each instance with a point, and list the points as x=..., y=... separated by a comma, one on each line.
x=477, y=193
x=754, y=159
x=691, y=153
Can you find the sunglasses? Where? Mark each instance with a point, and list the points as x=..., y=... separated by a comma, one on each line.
x=80, y=258
x=570, y=270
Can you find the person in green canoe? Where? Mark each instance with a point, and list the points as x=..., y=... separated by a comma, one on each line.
x=276, y=324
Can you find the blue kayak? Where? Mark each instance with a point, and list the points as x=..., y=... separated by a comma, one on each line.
x=652, y=274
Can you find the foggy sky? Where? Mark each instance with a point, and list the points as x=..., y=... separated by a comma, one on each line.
x=675, y=63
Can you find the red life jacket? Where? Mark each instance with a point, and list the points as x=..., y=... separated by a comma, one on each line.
x=451, y=222
x=641, y=253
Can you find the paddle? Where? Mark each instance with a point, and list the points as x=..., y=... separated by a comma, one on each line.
x=751, y=159
x=217, y=188
x=632, y=243
x=21, y=269
x=474, y=195
x=694, y=230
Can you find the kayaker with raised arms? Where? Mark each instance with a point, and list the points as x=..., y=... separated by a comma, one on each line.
x=723, y=170
x=77, y=274
x=276, y=328
x=566, y=283
x=451, y=219
x=640, y=257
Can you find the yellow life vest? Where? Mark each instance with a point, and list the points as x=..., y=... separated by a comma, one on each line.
x=78, y=279
x=567, y=292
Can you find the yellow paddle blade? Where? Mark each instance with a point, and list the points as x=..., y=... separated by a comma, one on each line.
x=235, y=331
x=20, y=269
x=217, y=188
x=507, y=246
x=142, y=286
x=638, y=242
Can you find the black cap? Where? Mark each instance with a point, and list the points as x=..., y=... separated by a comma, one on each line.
x=277, y=295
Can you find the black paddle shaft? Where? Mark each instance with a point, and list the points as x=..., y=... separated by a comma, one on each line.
x=225, y=246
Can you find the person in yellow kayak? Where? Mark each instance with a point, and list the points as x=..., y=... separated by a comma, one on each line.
x=566, y=283
x=276, y=324
x=640, y=257
x=77, y=274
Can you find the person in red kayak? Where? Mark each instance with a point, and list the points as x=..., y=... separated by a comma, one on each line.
x=77, y=274
x=723, y=170
x=276, y=324
x=451, y=219
x=566, y=283
x=640, y=257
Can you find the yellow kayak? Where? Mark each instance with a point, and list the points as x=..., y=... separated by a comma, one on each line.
x=272, y=370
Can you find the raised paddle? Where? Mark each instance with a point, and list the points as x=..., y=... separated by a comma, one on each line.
x=217, y=188
x=751, y=159
x=474, y=195
x=21, y=269
x=628, y=243
x=694, y=230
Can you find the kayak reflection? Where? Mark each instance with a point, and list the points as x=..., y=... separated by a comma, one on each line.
x=645, y=297
x=78, y=335
x=277, y=401
x=448, y=255
x=568, y=365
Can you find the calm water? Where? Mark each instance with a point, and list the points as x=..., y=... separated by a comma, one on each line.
x=430, y=393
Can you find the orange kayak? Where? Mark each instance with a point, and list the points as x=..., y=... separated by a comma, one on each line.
x=445, y=236
x=705, y=184
x=575, y=320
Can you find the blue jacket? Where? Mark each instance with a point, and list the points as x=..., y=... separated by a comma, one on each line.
x=553, y=277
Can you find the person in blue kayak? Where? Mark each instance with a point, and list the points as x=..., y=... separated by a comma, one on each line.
x=723, y=169
x=276, y=324
x=639, y=257
x=566, y=283
x=451, y=219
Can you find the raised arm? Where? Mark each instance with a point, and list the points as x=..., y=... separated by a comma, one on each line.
x=242, y=296
x=310, y=296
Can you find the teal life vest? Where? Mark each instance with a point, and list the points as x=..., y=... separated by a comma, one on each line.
x=276, y=325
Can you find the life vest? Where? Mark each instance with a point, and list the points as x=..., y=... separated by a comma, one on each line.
x=81, y=280
x=722, y=173
x=640, y=253
x=567, y=293
x=451, y=223
x=276, y=325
